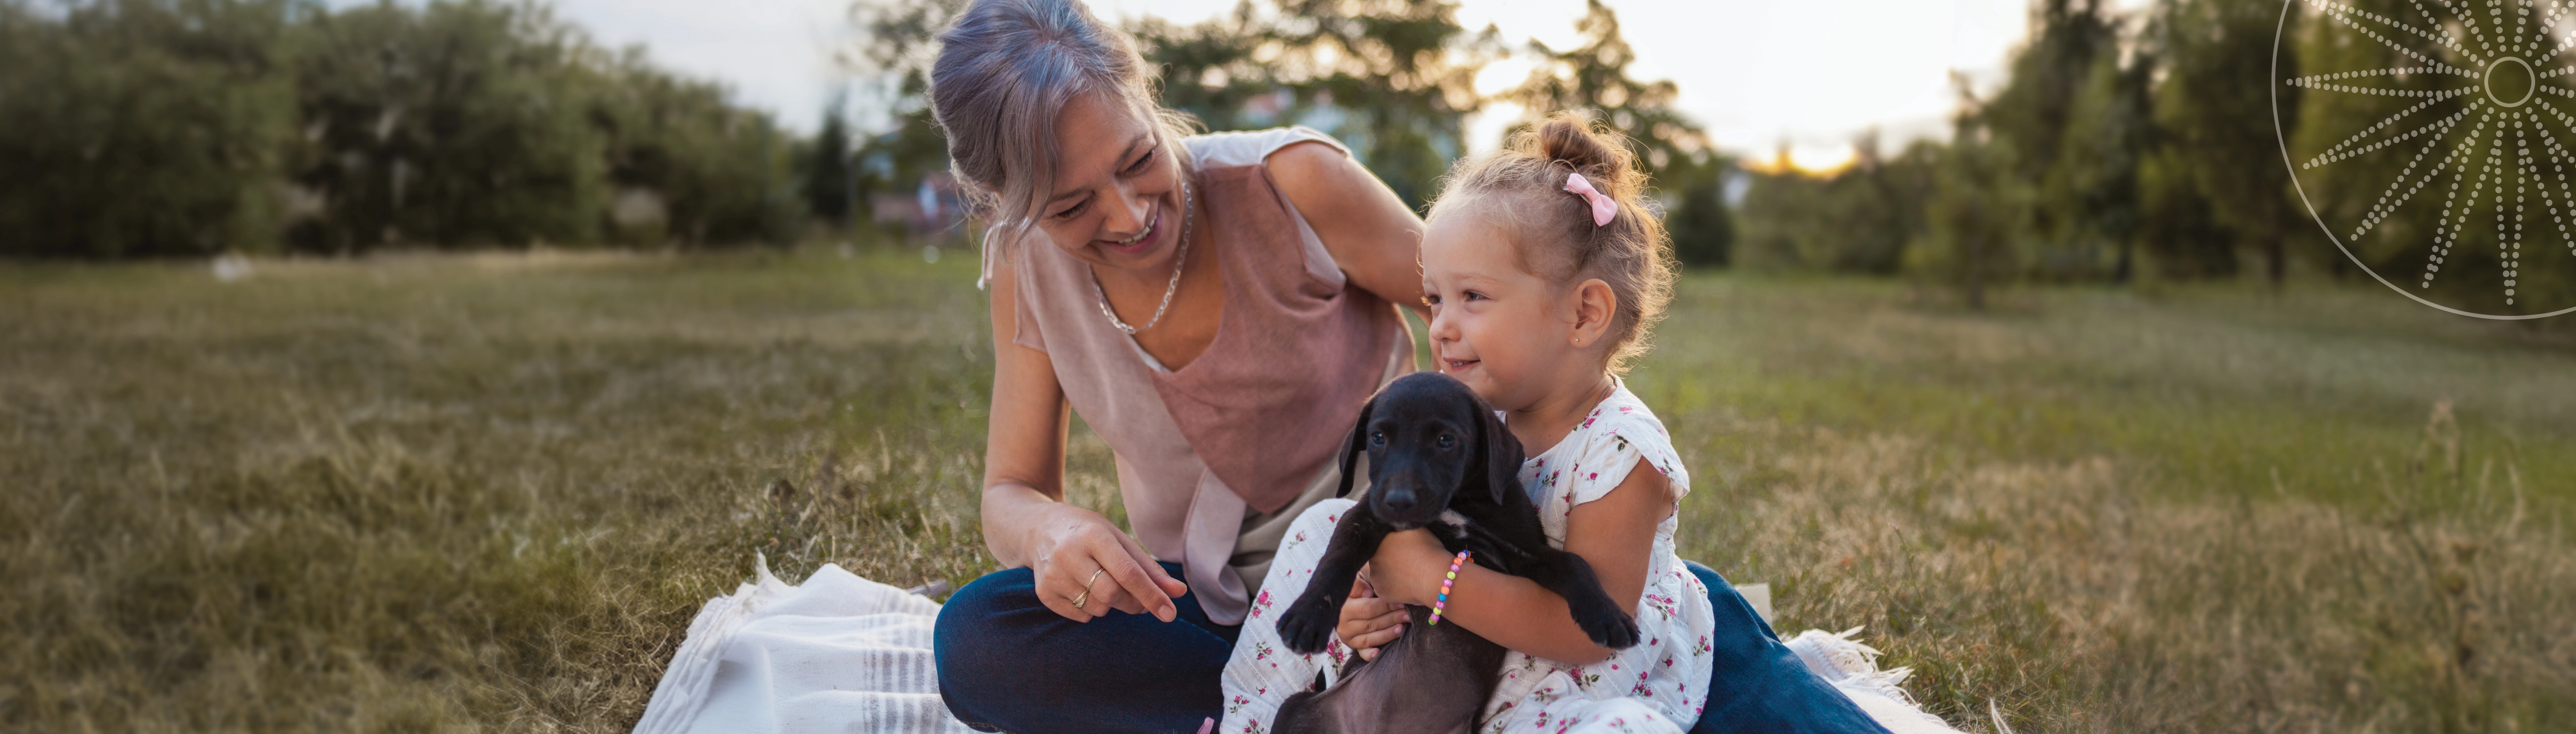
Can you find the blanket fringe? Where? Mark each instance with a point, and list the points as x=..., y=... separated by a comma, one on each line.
x=1844, y=661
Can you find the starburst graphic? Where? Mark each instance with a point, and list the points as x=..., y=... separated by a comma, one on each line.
x=2433, y=144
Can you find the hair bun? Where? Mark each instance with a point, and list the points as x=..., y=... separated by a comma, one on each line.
x=1569, y=138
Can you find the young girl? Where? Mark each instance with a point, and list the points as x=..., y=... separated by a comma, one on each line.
x=1544, y=273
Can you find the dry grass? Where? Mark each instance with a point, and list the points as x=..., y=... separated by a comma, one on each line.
x=427, y=494
x=2199, y=512
x=418, y=495
x=2064, y=596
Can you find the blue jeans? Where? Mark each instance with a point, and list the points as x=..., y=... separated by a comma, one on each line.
x=1007, y=663
x=1759, y=685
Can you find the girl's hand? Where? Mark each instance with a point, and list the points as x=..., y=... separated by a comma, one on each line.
x=1409, y=566
x=1081, y=557
x=1369, y=622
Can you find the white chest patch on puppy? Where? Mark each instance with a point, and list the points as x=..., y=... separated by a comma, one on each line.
x=1454, y=519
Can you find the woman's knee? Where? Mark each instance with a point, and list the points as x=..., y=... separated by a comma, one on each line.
x=972, y=640
x=988, y=595
x=975, y=619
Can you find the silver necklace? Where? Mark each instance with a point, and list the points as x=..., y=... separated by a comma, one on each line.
x=1189, y=213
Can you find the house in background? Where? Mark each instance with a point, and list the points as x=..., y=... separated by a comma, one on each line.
x=935, y=209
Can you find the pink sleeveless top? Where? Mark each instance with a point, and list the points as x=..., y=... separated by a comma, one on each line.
x=1216, y=458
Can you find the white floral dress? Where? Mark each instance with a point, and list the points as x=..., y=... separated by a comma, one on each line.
x=1654, y=686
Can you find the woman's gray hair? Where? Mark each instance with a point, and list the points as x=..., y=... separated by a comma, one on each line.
x=1005, y=70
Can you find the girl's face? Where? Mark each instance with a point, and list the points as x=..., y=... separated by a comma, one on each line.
x=1503, y=331
x=1117, y=197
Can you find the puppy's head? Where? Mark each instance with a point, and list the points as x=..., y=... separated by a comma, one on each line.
x=1430, y=440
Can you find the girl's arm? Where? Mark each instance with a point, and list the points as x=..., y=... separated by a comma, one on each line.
x=1615, y=534
x=1025, y=519
x=1369, y=231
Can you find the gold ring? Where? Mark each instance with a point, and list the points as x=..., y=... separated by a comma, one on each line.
x=1086, y=587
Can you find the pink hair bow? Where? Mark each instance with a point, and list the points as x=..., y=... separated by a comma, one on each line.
x=1602, y=207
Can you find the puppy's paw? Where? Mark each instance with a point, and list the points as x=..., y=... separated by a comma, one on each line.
x=1607, y=626
x=1307, y=626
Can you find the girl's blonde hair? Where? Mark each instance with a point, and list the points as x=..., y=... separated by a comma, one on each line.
x=1521, y=189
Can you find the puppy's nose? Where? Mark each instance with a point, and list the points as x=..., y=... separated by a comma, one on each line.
x=1399, y=501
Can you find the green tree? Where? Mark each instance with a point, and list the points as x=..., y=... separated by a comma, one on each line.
x=185, y=127
x=830, y=181
x=475, y=123
x=1859, y=219
x=2057, y=115
x=1699, y=217
x=455, y=123
x=1592, y=77
x=143, y=127
x=1979, y=211
x=2093, y=187
x=724, y=173
x=1393, y=79
x=2213, y=156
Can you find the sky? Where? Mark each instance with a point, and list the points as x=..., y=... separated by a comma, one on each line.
x=1807, y=74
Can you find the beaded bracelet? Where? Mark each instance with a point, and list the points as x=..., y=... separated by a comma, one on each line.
x=1443, y=602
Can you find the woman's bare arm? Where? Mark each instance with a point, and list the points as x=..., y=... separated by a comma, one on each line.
x=1023, y=437
x=1367, y=228
x=1026, y=522
x=1615, y=534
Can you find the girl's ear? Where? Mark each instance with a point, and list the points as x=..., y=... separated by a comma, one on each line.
x=1594, y=306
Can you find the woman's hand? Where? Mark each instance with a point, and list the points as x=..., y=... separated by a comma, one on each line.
x=1369, y=622
x=1078, y=556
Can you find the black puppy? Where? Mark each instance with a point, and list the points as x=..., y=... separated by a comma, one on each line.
x=1438, y=459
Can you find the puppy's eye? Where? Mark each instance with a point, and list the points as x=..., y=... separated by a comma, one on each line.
x=1446, y=441
x=1377, y=438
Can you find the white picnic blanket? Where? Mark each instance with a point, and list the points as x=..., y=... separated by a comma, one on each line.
x=838, y=653
x=841, y=653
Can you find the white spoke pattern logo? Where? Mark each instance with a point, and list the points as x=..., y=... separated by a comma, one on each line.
x=2436, y=158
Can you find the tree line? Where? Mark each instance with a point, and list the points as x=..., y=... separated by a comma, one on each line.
x=187, y=127
x=1393, y=79
x=2119, y=145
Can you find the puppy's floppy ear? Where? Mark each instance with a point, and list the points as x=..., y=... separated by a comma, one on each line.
x=1503, y=453
x=1357, y=443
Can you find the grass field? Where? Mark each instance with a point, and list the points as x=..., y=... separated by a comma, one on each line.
x=488, y=492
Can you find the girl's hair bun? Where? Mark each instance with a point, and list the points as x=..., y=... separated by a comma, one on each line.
x=1566, y=139
x=1599, y=154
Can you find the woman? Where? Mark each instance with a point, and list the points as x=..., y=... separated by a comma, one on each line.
x=1216, y=307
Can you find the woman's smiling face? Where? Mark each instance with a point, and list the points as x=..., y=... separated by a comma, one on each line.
x=1117, y=199
x=1494, y=326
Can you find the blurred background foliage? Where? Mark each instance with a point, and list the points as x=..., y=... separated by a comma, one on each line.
x=188, y=127
x=2113, y=150
x=2117, y=148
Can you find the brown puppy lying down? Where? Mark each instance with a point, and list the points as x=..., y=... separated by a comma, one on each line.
x=1440, y=459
